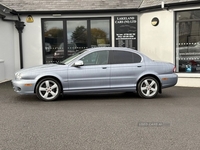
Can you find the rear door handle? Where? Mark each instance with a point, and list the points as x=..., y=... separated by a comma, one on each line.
x=104, y=67
x=139, y=66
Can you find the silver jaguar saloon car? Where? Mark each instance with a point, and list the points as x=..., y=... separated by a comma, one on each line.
x=95, y=70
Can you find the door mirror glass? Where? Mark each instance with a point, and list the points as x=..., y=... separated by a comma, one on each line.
x=78, y=63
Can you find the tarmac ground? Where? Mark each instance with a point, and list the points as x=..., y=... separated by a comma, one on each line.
x=101, y=122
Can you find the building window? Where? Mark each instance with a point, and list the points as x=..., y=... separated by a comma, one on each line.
x=100, y=33
x=65, y=37
x=53, y=40
x=76, y=36
x=188, y=41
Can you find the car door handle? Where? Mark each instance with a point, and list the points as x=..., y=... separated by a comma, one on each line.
x=139, y=66
x=104, y=67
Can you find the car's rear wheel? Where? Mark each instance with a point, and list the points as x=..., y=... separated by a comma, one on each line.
x=48, y=89
x=148, y=87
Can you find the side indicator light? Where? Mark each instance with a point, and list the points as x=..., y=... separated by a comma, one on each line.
x=164, y=79
x=28, y=84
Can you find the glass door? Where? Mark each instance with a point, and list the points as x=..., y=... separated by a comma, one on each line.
x=76, y=36
x=53, y=41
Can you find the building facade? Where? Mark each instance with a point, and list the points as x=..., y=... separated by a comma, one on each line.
x=35, y=33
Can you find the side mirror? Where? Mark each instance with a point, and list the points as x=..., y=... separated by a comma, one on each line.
x=78, y=63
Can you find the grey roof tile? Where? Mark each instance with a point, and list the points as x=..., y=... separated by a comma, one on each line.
x=63, y=5
x=149, y=3
x=47, y=5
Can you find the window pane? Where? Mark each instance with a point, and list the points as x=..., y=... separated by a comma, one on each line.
x=188, y=15
x=100, y=33
x=79, y=34
x=188, y=43
x=120, y=57
x=96, y=58
x=136, y=58
x=53, y=37
x=76, y=36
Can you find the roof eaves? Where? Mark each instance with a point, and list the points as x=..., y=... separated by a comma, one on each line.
x=4, y=10
x=169, y=5
x=79, y=11
x=183, y=3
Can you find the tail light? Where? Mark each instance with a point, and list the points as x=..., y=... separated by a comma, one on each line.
x=174, y=69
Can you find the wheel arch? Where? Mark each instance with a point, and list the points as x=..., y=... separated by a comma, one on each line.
x=49, y=76
x=150, y=75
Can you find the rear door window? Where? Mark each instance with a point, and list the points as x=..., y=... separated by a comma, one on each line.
x=124, y=57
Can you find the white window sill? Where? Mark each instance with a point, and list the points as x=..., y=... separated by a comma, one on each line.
x=188, y=75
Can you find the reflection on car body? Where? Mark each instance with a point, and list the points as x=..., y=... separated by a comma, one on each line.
x=96, y=70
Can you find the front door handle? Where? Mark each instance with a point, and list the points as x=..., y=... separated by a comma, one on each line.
x=104, y=67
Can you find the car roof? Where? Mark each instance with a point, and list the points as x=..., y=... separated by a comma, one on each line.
x=110, y=48
x=119, y=48
x=114, y=48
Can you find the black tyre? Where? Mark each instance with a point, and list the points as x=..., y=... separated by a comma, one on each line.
x=48, y=89
x=148, y=87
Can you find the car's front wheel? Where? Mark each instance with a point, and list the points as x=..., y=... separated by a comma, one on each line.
x=148, y=87
x=48, y=89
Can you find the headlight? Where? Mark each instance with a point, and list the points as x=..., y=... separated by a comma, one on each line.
x=18, y=76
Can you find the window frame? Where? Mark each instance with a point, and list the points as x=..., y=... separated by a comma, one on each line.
x=176, y=58
x=64, y=20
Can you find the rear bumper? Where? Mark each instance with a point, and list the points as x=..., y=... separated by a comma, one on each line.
x=23, y=86
x=168, y=80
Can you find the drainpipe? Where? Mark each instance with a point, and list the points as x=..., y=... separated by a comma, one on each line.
x=19, y=26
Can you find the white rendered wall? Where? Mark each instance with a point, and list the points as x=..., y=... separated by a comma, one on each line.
x=157, y=42
x=7, y=52
x=2, y=70
x=32, y=43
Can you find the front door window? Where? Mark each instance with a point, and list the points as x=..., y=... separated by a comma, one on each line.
x=96, y=58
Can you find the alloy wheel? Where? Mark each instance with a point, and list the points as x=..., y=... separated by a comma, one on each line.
x=48, y=89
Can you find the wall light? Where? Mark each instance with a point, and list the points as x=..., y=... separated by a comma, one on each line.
x=155, y=21
x=29, y=19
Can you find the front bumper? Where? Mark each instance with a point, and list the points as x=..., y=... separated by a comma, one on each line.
x=23, y=86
